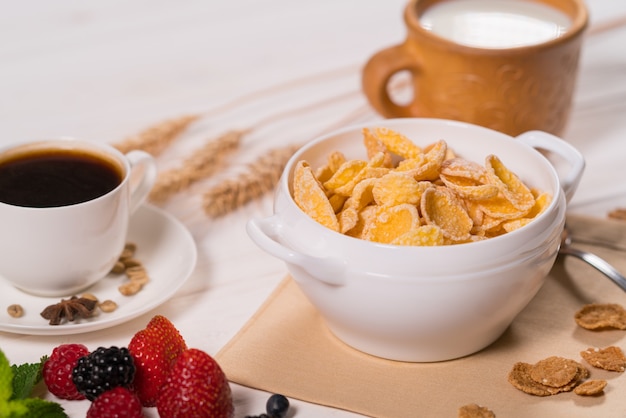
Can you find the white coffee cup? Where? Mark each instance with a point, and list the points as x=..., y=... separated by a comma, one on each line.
x=52, y=248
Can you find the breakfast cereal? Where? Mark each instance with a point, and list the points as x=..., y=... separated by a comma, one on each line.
x=452, y=200
x=521, y=376
x=475, y=411
x=591, y=387
x=597, y=316
x=610, y=358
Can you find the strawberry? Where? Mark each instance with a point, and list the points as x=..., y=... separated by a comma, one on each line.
x=118, y=402
x=154, y=350
x=57, y=370
x=195, y=388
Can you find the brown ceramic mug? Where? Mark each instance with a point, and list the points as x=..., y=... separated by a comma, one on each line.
x=511, y=89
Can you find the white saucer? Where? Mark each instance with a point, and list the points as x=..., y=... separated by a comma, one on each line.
x=165, y=248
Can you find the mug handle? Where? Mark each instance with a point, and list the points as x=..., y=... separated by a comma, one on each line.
x=544, y=141
x=143, y=175
x=379, y=70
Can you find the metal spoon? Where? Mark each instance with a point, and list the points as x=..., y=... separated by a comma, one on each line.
x=593, y=260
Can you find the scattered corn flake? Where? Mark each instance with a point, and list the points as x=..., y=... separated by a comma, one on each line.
x=597, y=316
x=554, y=371
x=520, y=378
x=610, y=358
x=591, y=387
x=475, y=411
x=310, y=196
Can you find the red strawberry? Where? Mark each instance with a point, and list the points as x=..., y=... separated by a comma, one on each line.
x=154, y=350
x=195, y=388
x=57, y=370
x=118, y=402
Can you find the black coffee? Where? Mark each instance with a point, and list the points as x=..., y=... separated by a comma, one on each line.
x=50, y=178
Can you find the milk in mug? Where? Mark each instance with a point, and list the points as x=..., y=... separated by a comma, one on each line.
x=495, y=23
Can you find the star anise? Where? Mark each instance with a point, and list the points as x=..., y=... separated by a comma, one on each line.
x=69, y=309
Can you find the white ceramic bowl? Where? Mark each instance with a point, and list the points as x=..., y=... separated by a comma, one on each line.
x=423, y=304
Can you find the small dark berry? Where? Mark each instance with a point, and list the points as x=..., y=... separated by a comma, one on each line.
x=277, y=406
x=102, y=370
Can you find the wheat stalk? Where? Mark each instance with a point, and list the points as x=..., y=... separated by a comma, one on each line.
x=260, y=177
x=618, y=213
x=202, y=163
x=157, y=137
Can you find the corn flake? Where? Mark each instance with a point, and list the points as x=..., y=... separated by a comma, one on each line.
x=475, y=411
x=510, y=185
x=397, y=143
x=395, y=188
x=591, y=387
x=310, y=196
x=610, y=358
x=597, y=316
x=393, y=221
x=443, y=209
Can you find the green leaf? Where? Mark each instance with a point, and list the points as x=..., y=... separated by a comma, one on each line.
x=16, y=384
x=40, y=408
x=25, y=377
x=13, y=409
x=6, y=380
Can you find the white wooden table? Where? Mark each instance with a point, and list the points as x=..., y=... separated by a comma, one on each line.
x=104, y=70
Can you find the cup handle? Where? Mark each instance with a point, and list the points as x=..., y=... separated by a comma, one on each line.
x=378, y=72
x=544, y=141
x=143, y=174
x=266, y=232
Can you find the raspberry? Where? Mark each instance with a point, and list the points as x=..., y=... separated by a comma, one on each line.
x=118, y=402
x=102, y=370
x=57, y=370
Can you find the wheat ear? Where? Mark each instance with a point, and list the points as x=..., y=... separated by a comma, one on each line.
x=202, y=163
x=260, y=177
x=157, y=137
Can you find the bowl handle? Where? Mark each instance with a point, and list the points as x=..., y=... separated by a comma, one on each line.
x=545, y=141
x=265, y=233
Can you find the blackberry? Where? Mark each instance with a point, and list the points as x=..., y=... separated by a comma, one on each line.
x=103, y=369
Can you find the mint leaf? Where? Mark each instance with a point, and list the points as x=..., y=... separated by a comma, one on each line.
x=16, y=384
x=13, y=409
x=25, y=377
x=39, y=408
